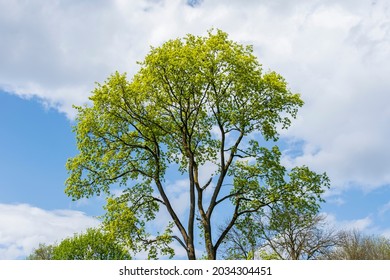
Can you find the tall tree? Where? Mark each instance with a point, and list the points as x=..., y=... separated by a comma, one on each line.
x=195, y=101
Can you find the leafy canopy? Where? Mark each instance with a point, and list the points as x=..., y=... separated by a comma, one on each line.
x=195, y=101
x=92, y=245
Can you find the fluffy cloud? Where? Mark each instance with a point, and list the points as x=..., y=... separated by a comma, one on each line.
x=23, y=227
x=367, y=225
x=344, y=122
x=57, y=51
x=362, y=224
x=333, y=52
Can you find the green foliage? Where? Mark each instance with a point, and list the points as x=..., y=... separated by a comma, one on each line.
x=267, y=182
x=122, y=223
x=92, y=245
x=264, y=255
x=289, y=228
x=166, y=116
x=276, y=204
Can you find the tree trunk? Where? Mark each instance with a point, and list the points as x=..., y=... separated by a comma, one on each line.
x=211, y=252
x=191, y=252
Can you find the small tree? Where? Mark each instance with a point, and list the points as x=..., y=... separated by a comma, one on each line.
x=43, y=252
x=195, y=101
x=92, y=245
x=354, y=245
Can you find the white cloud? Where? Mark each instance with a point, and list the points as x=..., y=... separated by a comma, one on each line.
x=384, y=209
x=336, y=201
x=57, y=51
x=344, y=121
x=23, y=227
x=359, y=224
x=363, y=224
x=366, y=225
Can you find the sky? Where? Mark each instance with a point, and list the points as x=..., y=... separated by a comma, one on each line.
x=336, y=54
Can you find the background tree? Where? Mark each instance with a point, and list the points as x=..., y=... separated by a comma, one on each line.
x=195, y=101
x=92, y=245
x=239, y=247
x=354, y=245
x=43, y=252
x=305, y=237
x=288, y=229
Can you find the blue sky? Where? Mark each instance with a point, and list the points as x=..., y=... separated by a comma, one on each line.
x=35, y=146
x=335, y=54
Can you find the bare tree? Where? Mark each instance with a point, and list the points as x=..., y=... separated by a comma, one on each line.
x=304, y=237
x=281, y=235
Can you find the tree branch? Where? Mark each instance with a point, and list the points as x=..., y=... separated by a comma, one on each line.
x=180, y=242
x=207, y=184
